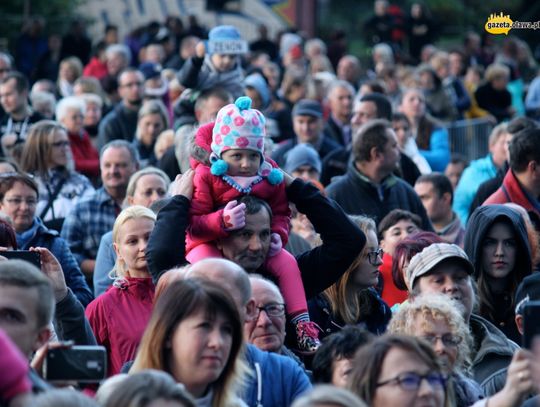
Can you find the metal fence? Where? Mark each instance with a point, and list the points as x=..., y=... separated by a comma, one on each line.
x=470, y=137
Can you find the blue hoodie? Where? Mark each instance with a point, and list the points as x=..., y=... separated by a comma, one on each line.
x=276, y=380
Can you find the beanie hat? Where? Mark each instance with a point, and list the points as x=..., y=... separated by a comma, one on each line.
x=302, y=154
x=238, y=126
x=225, y=33
x=150, y=70
x=257, y=82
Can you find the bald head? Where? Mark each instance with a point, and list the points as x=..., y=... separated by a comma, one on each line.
x=260, y=284
x=229, y=275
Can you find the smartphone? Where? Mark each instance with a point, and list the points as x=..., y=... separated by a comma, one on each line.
x=82, y=364
x=26, y=255
x=531, y=322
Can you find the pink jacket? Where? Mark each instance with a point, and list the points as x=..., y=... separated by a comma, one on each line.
x=119, y=317
x=13, y=370
x=211, y=192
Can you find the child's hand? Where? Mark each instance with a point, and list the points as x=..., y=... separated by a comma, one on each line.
x=234, y=216
x=200, y=49
x=275, y=244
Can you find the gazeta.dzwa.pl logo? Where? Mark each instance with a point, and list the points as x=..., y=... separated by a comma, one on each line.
x=499, y=24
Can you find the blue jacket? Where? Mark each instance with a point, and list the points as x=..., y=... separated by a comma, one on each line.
x=276, y=380
x=105, y=260
x=438, y=154
x=39, y=236
x=475, y=174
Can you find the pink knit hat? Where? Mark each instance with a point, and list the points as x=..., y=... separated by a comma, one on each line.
x=237, y=127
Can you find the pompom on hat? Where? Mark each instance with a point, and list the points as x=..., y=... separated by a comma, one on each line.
x=239, y=127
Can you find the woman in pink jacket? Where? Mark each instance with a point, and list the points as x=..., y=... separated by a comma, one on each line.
x=119, y=316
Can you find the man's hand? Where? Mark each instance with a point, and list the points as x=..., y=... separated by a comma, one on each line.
x=53, y=270
x=234, y=216
x=183, y=184
x=200, y=49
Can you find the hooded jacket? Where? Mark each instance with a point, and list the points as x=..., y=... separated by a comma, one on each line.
x=119, y=318
x=480, y=222
x=492, y=354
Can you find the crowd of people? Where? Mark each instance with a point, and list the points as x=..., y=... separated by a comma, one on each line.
x=268, y=224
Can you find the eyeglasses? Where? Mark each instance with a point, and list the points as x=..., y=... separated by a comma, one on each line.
x=374, y=255
x=272, y=310
x=61, y=144
x=131, y=84
x=411, y=381
x=18, y=201
x=448, y=340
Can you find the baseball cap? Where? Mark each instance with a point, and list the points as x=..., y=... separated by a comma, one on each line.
x=423, y=262
x=307, y=107
x=528, y=290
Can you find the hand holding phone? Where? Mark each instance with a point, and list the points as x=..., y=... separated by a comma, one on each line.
x=26, y=255
x=50, y=266
x=82, y=364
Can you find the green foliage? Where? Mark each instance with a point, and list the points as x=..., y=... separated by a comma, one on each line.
x=454, y=18
x=56, y=13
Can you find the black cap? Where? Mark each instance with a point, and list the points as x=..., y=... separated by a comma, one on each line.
x=307, y=107
x=528, y=290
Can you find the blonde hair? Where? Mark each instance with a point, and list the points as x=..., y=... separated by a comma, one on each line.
x=119, y=272
x=439, y=60
x=343, y=297
x=497, y=71
x=134, y=179
x=75, y=64
x=497, y=132
x=439, y=308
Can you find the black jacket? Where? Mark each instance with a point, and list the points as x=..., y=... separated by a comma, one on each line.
x=70, y=322
x=358, y=196
x=479, y=224
x=320, y=267
x=169, y=164
x=376, y=322
x=332, y=129
x=335, y=164
x=120, y=123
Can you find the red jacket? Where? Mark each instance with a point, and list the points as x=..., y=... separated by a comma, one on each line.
x=85, y=155
x=511, y=191
x=390, y=293
x=95, y=68
x=119, y=317
x=211, y=192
